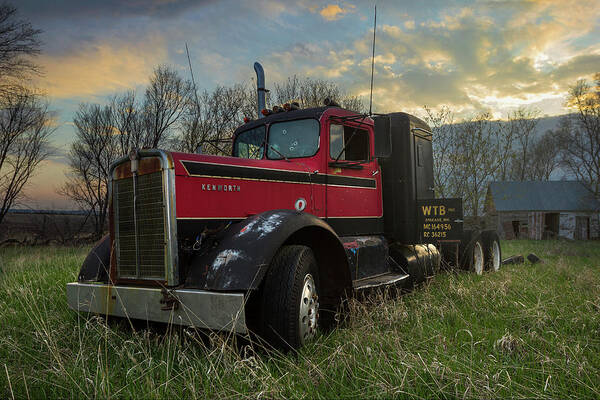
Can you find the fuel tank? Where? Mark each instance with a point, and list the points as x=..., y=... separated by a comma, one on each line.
x=420, y=261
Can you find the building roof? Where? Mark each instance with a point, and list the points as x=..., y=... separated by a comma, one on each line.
x=542, y=196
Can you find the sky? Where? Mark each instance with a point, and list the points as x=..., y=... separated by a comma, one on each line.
x=471, y=56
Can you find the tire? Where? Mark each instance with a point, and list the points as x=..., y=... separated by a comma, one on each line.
x=477, y=257
x=290, y=301
x=493, y=253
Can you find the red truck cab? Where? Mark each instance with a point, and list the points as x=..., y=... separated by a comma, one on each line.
x=299, y=160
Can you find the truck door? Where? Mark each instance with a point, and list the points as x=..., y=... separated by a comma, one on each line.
x=353, y=194
x=423, y=170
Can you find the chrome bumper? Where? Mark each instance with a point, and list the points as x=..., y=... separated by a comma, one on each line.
x=195, y=308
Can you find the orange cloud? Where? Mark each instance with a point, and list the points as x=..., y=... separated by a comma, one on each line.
x=332, y=12
x=101, y=68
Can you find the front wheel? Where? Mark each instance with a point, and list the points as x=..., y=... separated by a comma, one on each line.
x=290, y=298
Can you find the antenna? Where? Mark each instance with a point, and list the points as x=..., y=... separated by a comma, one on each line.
x=199, y=148
x=192, y=74
x=373, y=62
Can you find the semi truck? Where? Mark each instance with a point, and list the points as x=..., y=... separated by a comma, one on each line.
x=311, y=206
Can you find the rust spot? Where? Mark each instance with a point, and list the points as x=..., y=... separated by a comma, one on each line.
x=141, y=282
x=106, y=299
x=146, y=165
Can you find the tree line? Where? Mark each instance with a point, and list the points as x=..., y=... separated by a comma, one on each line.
x=472, y=152
x=469, y=153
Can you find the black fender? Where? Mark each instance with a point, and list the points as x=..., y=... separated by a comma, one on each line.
x=96, y=265
x=240, y=257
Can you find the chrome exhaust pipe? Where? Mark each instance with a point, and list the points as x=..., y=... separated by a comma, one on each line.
x=260, y=88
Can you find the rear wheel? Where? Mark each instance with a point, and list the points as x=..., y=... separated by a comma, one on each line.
x=477, y=257
x=493, y=254
x=290, y=298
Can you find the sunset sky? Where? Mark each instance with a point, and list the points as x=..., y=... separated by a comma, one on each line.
x=469, y=55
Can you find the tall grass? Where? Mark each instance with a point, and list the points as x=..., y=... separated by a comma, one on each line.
x=525, y=331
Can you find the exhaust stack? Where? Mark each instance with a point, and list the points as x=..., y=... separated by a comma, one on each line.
x=260, y=88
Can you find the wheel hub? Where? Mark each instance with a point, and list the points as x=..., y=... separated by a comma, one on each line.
x=495, y=256
x=309, y=309
x=478, y=258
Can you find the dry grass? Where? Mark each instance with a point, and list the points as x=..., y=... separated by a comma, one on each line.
x=526, y=331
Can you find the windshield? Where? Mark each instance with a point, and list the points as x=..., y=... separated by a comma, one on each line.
x=288, y=139
x=250, y=144
x=292, y=139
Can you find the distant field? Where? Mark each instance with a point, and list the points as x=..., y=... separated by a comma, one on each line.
x=526, y=331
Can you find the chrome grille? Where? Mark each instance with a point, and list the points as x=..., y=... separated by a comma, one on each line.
x=151, y=234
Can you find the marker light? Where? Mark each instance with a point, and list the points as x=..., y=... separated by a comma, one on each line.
x=265, y=112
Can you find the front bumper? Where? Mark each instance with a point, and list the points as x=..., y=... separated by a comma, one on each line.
x=195, y=308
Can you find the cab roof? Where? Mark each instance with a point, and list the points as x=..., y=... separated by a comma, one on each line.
x=314, y=112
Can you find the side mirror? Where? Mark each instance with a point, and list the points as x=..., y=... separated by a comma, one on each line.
x=383, y=136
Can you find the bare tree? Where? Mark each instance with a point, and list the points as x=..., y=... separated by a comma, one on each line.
x=24, y=131
x=544, y=157
x=521, y=128
x=18, y=42
x=312, y=92
x=127, y=118
x=165, y=102
x=477, y=144
x=95, y=147
x=444, y=149
x=24, y=116
x=196, y=125
x=505, y=151
x=580, y=134
x=212, y=118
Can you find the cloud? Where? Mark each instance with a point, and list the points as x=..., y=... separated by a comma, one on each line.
x=486, y=57
x=474, y=61
x=331, y=12
x=107, y=8
x=101, y=68
x=578, y=67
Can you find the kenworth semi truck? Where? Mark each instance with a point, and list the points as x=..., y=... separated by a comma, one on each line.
x=312, y=205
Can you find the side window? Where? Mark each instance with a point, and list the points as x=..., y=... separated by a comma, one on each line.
x=336, y=141
x=250, y=144
x=356, y=141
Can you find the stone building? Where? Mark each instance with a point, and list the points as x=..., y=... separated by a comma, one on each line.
x=543, y=210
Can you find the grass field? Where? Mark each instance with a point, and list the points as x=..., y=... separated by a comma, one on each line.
x=525, y=331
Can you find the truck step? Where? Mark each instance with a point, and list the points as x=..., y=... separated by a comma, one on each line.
x=386, y=279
